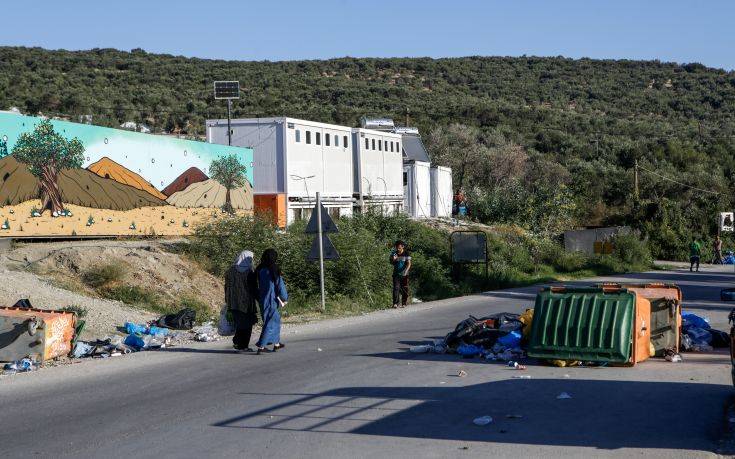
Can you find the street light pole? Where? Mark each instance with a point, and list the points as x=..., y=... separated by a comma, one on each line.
x=229, y=122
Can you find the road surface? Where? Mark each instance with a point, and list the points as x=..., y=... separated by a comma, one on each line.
x=349, y=388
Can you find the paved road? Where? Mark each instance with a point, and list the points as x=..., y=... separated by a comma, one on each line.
x=363, y=395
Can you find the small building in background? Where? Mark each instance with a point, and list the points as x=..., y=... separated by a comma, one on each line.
x=416, y=176
x=441, y=192
x=293, y=159
x=377, y=172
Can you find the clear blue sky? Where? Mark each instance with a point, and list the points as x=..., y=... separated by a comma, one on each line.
x=673, y=30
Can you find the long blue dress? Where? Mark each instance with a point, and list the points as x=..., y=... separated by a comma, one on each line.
x=268, y=293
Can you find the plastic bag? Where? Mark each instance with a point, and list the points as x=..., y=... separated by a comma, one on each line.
x=692, y=320
x=511, y=340
x=468, y=350
x=527, y=319
x=699, y=336
x=225, y=327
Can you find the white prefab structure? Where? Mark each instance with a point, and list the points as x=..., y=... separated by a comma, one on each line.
x=296, y=158
x=377, y=173
x=441, y=192
x=417, y=186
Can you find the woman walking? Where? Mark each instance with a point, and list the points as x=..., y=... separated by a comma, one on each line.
x=240, y=293
x=271, y=295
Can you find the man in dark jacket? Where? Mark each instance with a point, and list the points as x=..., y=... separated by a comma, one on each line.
x=401, y=261
x=240, y=293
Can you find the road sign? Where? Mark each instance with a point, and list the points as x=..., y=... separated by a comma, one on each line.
x=227, y=90
x=328, y=249
x=328, y=225
x=727, y=222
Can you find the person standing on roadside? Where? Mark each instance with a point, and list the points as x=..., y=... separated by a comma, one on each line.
x=272, y=295
x=240, y=293
x=401, y=261
x=717, y=251
x=695, y=251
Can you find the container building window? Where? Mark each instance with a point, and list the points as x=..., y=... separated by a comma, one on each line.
x=326, y=139
x=308, y=137
x=298, y=135
x=373, y=144
x=344, y=142
x=380, y=145
x=336, y=140
x=367, y=144
x=318, y=138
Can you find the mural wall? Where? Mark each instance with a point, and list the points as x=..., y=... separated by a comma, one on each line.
x=116, y=183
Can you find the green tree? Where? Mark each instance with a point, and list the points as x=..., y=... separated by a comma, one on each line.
x=230, y=173
x=47, y=153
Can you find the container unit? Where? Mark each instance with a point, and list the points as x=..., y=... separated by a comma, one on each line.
x=295, y=158
x=39, y=333
x=417, y=189
x=665, y=323
x=601, y=324
x=377, y=173
x=441, y=192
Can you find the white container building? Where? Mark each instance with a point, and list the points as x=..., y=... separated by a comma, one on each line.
x=295, y=158
x=441, y=192
x=417, y=179
x=377, y=172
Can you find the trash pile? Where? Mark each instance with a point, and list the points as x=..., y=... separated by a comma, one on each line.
x=497, y=337
x=164, y=332
x=698, y=336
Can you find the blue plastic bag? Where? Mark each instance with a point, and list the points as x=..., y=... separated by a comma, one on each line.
x=692, y=320
x=468, y=350
x=132, y=328
x=510, y=341
x=134, y=341
x=157, y=331
x=699, y=336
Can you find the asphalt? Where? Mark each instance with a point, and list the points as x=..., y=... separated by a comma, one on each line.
x=350, y=388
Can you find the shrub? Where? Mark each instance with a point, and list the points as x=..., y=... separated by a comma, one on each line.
x=80, y=311
x=102, y=275
x=632, y=251
x=133, y=295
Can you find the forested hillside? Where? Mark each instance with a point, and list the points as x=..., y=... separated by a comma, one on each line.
x=572, y=129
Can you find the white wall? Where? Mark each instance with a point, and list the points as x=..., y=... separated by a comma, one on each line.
x=418, y=189
x=265, y=137
x=441, y=192
x=379, y=164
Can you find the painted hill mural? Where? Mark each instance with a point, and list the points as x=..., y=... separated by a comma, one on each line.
x=67, y=179
x=109, y=169
x=190, y=176
x=211, y=193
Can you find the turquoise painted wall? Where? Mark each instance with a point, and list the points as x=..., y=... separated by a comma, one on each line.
x=158, y=159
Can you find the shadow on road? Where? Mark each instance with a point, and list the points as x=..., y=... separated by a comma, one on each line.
x=601, y=414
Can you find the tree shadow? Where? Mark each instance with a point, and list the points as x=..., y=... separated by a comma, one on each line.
x=601, y=414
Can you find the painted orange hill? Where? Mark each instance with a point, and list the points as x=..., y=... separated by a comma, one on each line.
x=108, y=168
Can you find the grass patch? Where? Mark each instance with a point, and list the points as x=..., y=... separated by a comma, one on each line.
x=80, y=311
x=133, y=295
x=202, y=309
x=103, y=275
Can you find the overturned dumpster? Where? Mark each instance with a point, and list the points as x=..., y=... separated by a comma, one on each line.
x=597, y=324
x=666, y=301
x=37, y=333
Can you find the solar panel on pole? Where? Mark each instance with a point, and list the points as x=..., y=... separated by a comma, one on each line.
x=227, y=90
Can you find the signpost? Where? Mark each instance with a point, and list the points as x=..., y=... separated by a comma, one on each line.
x=468, y=247
x=227, y=90
x=321, y=223
x=727, y=222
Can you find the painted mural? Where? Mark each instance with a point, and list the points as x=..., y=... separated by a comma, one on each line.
x=59, y=178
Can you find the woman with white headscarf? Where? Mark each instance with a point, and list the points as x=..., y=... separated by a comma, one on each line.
x=240, y=293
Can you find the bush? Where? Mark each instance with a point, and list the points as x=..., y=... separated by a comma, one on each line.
x=102, y=275
x=632, y=251
x=133, y=295
x=80, y=311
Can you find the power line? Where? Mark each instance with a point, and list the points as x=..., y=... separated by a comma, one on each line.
x=677, y=182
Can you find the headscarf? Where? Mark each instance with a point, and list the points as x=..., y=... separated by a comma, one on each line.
x=269, y=260
x=244, y=262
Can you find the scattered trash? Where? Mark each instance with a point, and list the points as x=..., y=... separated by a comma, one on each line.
x=676, y=358
x=182, y=320
x=469, y=350
x=522, y=377
x=318, y=349
x=461, y=373
x=482, y=421
x=421, y=349
x=563, y=396
x=20, y=366
x=515, y=365
x=567, y=376
x=81, y=349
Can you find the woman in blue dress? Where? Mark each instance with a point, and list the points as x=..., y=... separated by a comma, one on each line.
x=272, y=295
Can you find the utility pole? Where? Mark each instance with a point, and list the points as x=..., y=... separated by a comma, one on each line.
x=635, y=179
x=407, y=119
x=229, y=122
x=321, y=245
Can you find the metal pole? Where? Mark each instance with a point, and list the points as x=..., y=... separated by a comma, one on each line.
x=635, y=185
x=229, y=122
x=321, y=248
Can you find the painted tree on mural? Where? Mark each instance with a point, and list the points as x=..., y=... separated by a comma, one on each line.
x=47, y=153
x=230, y=173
